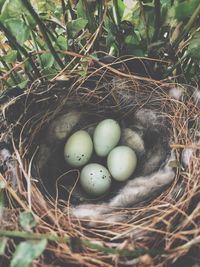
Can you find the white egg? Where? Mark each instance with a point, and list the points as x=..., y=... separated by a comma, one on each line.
x=106, y=136
x=121, y=162
x=78, y=149
x=95, y=179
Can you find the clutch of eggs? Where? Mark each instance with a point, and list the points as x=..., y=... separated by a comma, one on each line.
x=95, y=179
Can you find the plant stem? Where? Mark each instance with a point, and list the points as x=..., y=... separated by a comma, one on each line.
x=157, y=23
x=89, y=16
x=64, y=11
x=144, y=20
x=44, y=31
x=80, y=242
x=116, y=12
x=27, y=235
x=72, y=13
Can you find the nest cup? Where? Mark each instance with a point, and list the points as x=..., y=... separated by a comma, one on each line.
x=156, y=232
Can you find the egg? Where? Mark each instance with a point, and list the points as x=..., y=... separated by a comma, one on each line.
x=106, y=136
x=95, y=179
x=121, y=163
x=78, y=149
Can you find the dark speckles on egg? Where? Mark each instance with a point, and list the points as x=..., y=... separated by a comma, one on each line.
x=79, y=147
x=94, y=179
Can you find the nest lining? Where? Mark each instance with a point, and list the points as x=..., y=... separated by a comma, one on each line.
x=170, y=221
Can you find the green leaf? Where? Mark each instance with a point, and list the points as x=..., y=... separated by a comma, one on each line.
x=62, y=42
x=48, y=6
x=27, y=220
x=49, y=72
x=23, y=84
x=3, y=242
x=26, y=252
x=185, y=9
x=75, y=26
x=11, y=56
x=12, y=9
x=132, y=40
x=18, y=29
x=85, y=10
x=121, y=8
x=110, y=26
x=112, y=32
x=15, y=9
x=81, y=10
x=194, y=47
x=47, y=60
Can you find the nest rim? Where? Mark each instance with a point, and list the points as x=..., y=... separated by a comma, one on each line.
x=162, y=224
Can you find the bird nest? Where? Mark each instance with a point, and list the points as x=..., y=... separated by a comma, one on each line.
x=158, y=224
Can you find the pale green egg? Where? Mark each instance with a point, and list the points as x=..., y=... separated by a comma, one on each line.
x=95, y=179
x=106, y=136
x=78, y=149
x=121, y=163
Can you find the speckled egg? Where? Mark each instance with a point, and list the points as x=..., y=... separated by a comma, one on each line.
x=121, y=163
x=95, y=179
x=106, y=136
x=78, y=149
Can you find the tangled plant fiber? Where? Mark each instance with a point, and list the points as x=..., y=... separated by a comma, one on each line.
x=155, y=232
